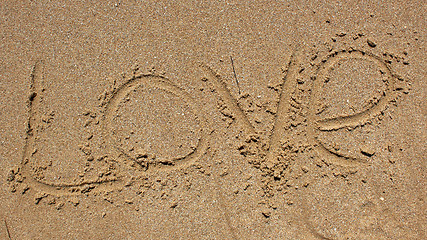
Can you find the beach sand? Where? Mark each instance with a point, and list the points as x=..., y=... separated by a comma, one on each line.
x=212, y=120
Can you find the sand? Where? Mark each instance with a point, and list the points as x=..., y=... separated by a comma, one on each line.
x=213, y=120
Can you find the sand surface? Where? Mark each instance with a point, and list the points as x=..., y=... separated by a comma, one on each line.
x=212, y=120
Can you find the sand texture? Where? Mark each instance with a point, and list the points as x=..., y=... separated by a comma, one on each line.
x=213, y=120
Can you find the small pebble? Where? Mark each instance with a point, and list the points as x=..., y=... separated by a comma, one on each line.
x=266, y=213
x=371, y=43
x=367, y=151
x=174, y=205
